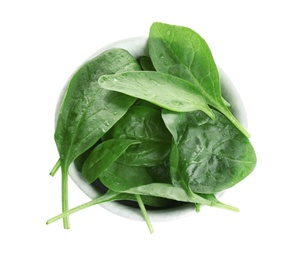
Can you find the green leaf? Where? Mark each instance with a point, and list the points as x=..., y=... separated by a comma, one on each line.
x=146, y=63
x=161, y=173
x=145, y=154
x=119, y=177
x=87, y=111
x=181, y=52
x=103, y=156
x=209, y=155
x=160, y=89
x=140, y=123
x=146, y=125
x=126, y=179
x=168, y=191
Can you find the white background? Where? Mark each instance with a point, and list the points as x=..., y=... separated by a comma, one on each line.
x=43, y=42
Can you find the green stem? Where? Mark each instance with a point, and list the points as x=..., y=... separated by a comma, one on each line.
x=64, y=197
x=193, y=197
x=197, y=207
x=144, y=213
x=101, y=199
x=231, y=117
x=55, y=168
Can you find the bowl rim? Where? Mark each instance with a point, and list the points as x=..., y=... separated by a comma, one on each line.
x=137, y=46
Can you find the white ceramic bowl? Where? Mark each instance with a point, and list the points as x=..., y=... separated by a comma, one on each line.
x=137, y=47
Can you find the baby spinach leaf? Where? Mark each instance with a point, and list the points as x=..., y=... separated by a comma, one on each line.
x=156, y=202
x=146, y=63
x=146, y=125
x=181, y=52
x=209, y=155
x=168, y=191
x=104, y=155
x=87, y=111
x=140, y=123
x=161, y=173
x=148, y=153
x=80, y=160
x=119, y=177
x=161, y=89
x=144, y=103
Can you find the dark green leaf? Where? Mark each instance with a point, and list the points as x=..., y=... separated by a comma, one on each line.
x=160, y=173
x=119, y=177
x=140, y=123
x=181, y=52
x=146, y=125
x=208, y=155
x=146, y=63
x=88, y=111
x=103, y=156
x=145, y=154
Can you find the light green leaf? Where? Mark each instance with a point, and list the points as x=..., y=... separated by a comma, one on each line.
x=160, y=89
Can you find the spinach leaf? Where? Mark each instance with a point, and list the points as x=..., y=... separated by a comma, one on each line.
x=161, y=173
x=168, y=191
x=181, y=52
x=145, y=154
x=80, y=160
x=119, y=177
x=146, y=63
x=207, y=155
x=158, y=88
x=140, y=123
x=145, y=125
x=87, y=111
x=104, y=155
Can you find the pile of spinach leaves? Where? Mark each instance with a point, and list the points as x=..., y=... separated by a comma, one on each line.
x=155, y=130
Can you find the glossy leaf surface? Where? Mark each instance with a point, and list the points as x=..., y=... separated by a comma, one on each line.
x=144, y=124
x=119, y=177
x=87, y=111
x=161, y=89
x=181, y=52
x=103, y=156
x=208, y=155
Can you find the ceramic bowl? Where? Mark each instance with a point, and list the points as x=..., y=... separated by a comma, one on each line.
x=137, y=47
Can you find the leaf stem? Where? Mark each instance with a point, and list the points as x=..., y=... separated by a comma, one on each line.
x=64, y=197
x=144, y=213
x=55, y=168
x=101, y=199
x=232, y=118
x=197, y=207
